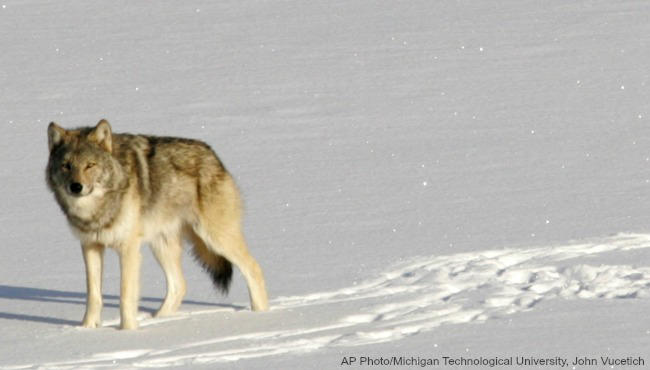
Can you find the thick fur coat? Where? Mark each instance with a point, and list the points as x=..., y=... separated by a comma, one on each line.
x=122, y=190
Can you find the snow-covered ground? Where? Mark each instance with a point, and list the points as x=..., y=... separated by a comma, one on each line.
x=422, y=178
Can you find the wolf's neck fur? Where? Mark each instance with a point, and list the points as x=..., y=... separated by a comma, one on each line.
x=92, y=212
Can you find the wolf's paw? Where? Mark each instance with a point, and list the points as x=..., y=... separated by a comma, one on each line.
x=165, y=312
x=91, y=323
x=261, y=307
x=129, y=325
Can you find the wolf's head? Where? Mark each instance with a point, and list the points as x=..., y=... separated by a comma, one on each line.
x=80, y=160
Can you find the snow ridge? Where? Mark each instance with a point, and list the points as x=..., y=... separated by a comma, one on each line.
x=423, y=294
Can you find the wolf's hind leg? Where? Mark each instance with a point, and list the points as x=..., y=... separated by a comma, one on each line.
x=93, y=258
x=168, y=252
x=229, y=242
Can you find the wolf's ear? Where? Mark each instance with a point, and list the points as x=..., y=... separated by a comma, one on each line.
x=102, y=135
x=55, y=135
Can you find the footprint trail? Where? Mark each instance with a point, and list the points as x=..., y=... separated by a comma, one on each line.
x=414, y=297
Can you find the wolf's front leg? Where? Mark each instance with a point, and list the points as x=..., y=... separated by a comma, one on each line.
x=130, y=258
x=93, y=259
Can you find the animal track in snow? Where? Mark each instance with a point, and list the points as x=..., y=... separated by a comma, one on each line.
x=415, y=297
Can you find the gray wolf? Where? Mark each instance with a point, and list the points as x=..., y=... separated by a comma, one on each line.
x=122, y=190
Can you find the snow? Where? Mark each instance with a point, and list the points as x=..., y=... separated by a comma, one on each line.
x=448, y=178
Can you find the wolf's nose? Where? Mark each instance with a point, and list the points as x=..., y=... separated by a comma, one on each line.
x=76, y=188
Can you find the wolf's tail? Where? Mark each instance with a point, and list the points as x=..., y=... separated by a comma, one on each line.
x=219, y=268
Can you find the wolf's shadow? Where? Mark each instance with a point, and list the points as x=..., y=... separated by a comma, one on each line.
x=59, y=296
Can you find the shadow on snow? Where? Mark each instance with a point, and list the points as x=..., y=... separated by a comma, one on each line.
x=59, y=296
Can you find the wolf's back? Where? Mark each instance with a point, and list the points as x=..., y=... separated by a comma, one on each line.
x=176, y=174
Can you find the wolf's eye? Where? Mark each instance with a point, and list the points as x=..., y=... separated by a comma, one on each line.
x=66, y=166
x=90, y=165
